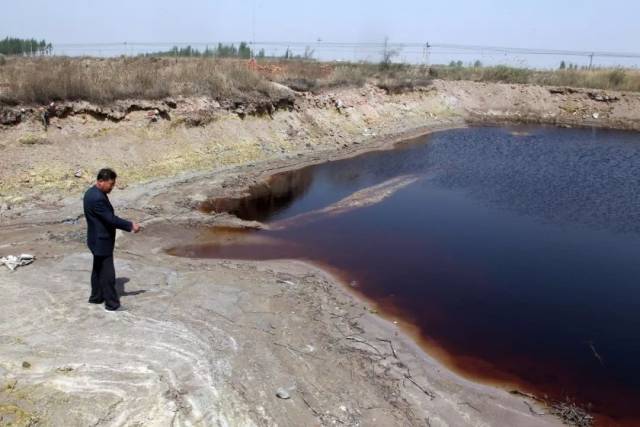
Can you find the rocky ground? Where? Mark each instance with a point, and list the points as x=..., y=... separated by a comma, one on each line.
x=210, y=342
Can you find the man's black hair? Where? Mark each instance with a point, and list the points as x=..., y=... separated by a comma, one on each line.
x=107, y=174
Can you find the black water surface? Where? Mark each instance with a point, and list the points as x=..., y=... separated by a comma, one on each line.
x=518, y=253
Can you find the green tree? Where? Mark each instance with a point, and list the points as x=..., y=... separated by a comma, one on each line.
x=244, y=51
x=30, y=47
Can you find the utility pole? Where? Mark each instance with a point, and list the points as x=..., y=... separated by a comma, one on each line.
x=427, y=46
x=253, y=29
x=384, y=52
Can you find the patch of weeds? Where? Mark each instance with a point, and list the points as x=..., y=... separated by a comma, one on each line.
x=33, y=139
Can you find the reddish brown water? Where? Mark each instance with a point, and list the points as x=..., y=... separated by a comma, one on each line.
x=515, y=255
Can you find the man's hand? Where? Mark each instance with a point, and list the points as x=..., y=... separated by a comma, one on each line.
x=135, y=228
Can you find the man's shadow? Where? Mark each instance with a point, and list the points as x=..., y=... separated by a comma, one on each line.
x=120, y=282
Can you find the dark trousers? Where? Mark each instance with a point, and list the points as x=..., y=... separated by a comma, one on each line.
x=103, y=283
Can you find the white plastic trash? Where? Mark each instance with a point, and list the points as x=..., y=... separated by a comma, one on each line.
x=12, y=261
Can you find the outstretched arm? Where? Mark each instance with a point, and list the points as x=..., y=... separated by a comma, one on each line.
x=104, y=213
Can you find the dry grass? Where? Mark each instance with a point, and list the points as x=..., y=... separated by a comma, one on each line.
x=101, y=80
x=41, y=80
x=316, y=76
x=610, y=79
x=33, y=139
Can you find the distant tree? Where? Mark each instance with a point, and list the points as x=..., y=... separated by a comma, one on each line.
x=27, y=47
x=221, y=51
x=308, y=53
x=563, y=65
x=477, y=64
x=387, y=54
x=244, y=51
x=261, y=54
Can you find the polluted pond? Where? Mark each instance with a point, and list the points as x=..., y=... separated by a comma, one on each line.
x=513, y=251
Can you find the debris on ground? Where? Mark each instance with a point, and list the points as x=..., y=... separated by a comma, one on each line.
x=12, y=261
x=570, y=413
x=283, y=393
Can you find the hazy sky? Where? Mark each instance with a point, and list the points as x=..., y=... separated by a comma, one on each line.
x=558, y=24
x=565, y=24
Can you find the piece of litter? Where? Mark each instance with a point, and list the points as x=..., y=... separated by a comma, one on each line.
x=12, y=262
x=596, y=115
x=283, y=394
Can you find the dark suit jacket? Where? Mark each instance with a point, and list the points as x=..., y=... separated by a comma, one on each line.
x=101, y=222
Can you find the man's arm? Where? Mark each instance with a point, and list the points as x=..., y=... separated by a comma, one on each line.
x=101, y=209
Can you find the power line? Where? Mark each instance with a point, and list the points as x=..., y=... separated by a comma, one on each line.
x=370, y=46
x=419, y=52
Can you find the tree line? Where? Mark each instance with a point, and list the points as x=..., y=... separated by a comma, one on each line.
x=16, y=46
x=220, y=51
x=243, y=51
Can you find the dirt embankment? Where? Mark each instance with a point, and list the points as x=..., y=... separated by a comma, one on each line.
x=209, y=342
x=146, y=140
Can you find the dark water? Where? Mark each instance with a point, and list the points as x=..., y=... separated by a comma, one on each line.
x=517, y=254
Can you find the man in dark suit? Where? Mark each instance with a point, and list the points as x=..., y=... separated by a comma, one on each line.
x=101, y=238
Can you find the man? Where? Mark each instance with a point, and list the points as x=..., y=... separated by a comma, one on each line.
x=101, y=238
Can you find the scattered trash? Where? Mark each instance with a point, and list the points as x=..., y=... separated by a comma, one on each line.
x=78, y=173
x=12, y=262
x=283, y=393
x=596, y=115
x=26, y=365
